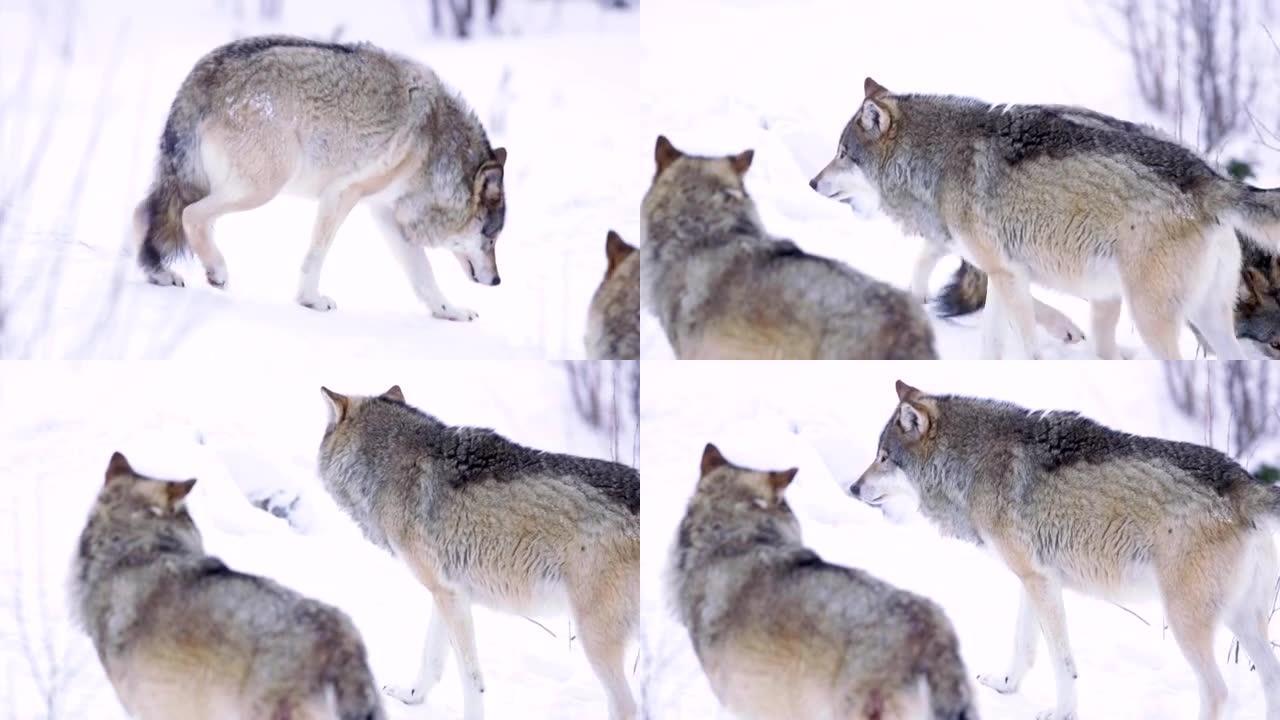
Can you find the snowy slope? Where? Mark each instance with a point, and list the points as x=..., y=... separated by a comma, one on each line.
x=826, y=418
x=784, y=78
x=79, y=139
x=248, y=432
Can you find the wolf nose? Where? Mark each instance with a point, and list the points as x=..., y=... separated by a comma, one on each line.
x=814, y=183
x=496, y=280
x=854, y=489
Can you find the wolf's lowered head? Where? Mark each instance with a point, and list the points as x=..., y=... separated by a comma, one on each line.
x=904, y=444
x=866, y=140
x=461, y=207
x=1258, y=304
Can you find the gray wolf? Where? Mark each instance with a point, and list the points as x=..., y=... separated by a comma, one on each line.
x=1257, y=309
x=723, y=287
x=1066, y=198
x=613, y=319
x=340, y=123
x=181, y=635
x=1065, y=502
x=782, y=634
x=478, y=518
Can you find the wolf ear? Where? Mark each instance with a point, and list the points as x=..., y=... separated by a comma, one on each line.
x=712, y=459
x=781, y=479
x=664, y=153
x=742, y=161
x=176, y=492
x=906, y=393
x=489, y=180
x=500, y=156
x=616, y=250
x=118, y=467
x=873, y=89
x=338, y=405
x=394, y=393
x=913, y=420
x=874, y=119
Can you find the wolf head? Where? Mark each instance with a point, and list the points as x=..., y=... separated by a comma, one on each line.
x=866, y=140
x=1258, y=306
x=349, y=414
x=905, y=443
x=134, y=517
x=463, y=211
x=734, y=504
x=697, y=190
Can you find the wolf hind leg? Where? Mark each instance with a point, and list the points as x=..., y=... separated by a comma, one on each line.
x=432, y=667
x=1214, y=315
x=1192, y=604
x=1026, y=636
x=199, y=216
x=335, y=205
x=1248, y=618
x=605, y=615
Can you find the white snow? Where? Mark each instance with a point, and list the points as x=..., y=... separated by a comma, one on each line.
x=248, y=431
x=825, y=419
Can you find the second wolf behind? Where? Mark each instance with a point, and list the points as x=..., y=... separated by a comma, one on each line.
x=477, y=518
x=782, y=634
x=613, y=320
x=343, y=124
x=1257, y=310
x=1067, y=503
x=181, y=635
x=723, y=287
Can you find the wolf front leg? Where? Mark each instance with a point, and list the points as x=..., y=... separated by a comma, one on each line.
x=455, y=612
x=432, y=668
x=1011, y=294
x=418, y=268
x=1025, y=638
x=928, y=259
x=335, y=205
x=1045, y=597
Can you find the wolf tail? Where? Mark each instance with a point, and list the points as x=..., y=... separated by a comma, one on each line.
x=1256, y=211
x=965, y=294
x=178, y=183
x=353, y=694
x=950, y=694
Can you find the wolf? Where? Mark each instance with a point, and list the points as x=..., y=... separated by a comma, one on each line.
x=613, y=319
x=1257, y=309
x=1066, y=198
x=1066, y=502
x=723, y=287
x=181, y=635
x=783, y=634
x=1258, y=304
x=340, y=123
x=478, y=518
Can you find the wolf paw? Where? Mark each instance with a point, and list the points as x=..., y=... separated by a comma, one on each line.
x=406, y=695
x=453, y=312
x=1000, y=683
x=1064, y=331
x=165, y=278
x=318, y=302
x=216, y=276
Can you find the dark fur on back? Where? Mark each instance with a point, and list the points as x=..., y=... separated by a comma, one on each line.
x=1058, y=439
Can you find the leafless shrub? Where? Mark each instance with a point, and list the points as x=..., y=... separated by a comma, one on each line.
x=1246, y=393
x=1197, y=54
x=606, y=395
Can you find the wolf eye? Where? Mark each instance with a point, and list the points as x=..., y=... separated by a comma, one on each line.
x=884, y=456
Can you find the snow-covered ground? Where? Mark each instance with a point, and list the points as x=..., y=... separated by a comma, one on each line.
x=784, y=78
x=78, y=140
x=825, y=419
x=247, y=432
